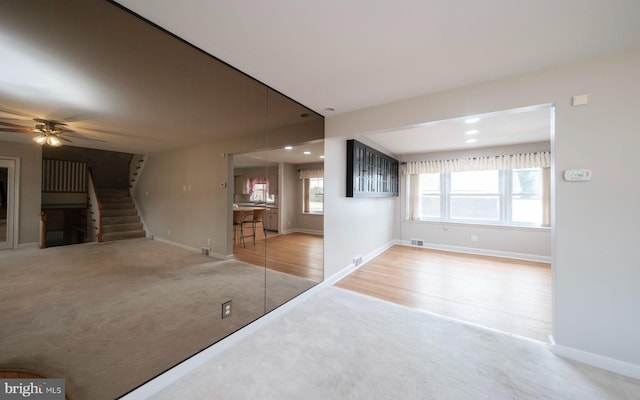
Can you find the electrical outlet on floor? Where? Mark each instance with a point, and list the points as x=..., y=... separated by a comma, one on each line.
x=226, y=309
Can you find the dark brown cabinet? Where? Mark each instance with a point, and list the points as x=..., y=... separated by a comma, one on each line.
x=370, y=173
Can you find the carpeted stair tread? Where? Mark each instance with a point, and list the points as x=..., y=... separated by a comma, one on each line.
x=120, y=220
x=111, y=206
x=121, y=227
x=115, y=192
x=107, y=237
x=115, y=199
x=119, y=212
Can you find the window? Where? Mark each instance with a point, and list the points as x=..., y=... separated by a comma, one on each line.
x=313, y=195
x=430, y=196
x=505, y=197
x=258, y=193
x=475, y=196
x=526, y=196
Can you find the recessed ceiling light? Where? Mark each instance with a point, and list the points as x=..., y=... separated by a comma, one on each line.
x=304, y=115
x=472, y=140
x=471, y=120
x=306, y=153
x=288, y=147
x=321, y=156
x=472, y=132
x=329, y=109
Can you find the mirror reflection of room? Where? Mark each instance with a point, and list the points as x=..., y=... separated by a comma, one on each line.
x=126, y=305
x=278, y=209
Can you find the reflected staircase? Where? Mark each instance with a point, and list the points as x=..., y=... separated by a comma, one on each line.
x=120, y=218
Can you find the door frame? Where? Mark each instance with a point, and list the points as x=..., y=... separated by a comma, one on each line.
x=13, y=201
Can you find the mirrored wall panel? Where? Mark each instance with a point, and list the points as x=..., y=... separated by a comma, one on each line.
x=166, y=198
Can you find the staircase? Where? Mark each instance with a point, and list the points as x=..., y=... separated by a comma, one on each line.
x=120, y=218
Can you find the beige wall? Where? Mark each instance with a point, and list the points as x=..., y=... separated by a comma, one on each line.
x=179, y=193
x=30, y=156
x=596, y=266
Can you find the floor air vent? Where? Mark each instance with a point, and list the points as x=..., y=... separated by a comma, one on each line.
x=417, y=242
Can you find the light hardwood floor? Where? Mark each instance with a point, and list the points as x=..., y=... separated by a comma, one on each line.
x=509, y=295
x=297, y=254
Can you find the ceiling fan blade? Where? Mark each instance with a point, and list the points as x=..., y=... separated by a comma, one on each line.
x=64, y=138
x=12, y=125
x=13, y=112
x=85, y=138
x=49, y=121
x=120, y=134
x=16, y=130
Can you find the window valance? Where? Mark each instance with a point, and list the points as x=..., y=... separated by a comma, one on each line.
x=512, y=161
x=312, y=173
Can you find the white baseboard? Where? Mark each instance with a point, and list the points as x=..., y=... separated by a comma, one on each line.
x=482, y=252
x=194, y=249
x=595, y=360
x=30, y=245
x=296, y=230
x=352, y=267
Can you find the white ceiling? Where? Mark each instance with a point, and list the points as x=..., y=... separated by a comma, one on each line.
x=355, y=54
x=297, y=154
x=350, y=55
x=347, y=55
x=508, y=127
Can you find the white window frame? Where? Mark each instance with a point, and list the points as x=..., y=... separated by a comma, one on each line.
x=505, y=198
x=306, y=186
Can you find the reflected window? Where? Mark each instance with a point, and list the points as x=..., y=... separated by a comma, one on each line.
x=313, y=195
x=259, y=190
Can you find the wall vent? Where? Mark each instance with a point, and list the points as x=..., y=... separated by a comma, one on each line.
x=357, y=260
x=417, y=242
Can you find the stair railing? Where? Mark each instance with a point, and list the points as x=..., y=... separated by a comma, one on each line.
x=136, y=165
x=95, y=211
x=43, y=230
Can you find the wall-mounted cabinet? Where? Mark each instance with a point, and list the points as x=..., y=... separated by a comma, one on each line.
x=370, y=173
x=240, y=184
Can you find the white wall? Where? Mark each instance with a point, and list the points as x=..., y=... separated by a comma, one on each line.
x=596, y=264
x=353, y=226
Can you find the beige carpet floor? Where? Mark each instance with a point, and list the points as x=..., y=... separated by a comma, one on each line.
x=107, y=317
x=343, y=345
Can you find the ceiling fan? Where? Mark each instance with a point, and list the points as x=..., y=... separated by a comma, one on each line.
x=50, y=132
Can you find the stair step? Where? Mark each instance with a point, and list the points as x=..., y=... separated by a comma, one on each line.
x=115, y=199
x=112, y=206
x=122, y=227
x=120, y=220
x=114, y=192
x=109, y=237
x=119, y=212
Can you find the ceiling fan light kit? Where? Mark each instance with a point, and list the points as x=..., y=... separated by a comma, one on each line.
x=49, y=139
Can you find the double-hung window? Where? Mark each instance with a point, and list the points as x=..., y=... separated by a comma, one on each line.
x=313, y=195
x=495, y=196
x=474, y=196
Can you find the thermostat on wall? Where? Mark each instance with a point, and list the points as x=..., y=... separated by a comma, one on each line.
x=577, y=175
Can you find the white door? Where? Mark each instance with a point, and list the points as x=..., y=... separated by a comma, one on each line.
x=8, y=203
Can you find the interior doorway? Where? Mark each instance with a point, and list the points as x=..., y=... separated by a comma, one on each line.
x=8, y=203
